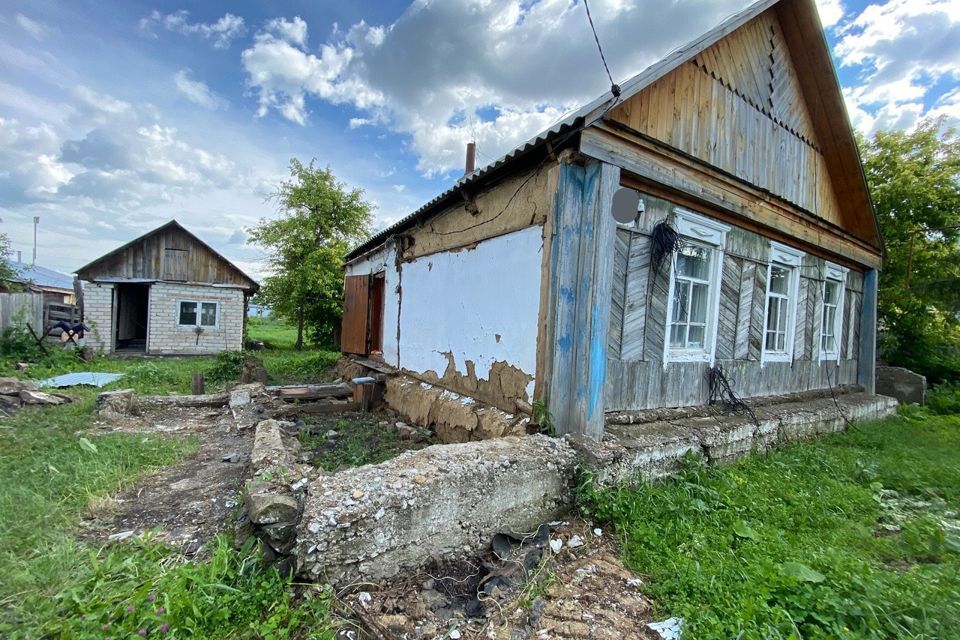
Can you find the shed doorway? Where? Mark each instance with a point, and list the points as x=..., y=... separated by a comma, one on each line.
x=363, y=300
x=131, y=307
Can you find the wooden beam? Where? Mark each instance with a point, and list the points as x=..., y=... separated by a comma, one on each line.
x=652, y=161
x=867, y=358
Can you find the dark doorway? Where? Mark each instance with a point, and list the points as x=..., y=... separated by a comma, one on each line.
x=132, y=304
x=376, y=313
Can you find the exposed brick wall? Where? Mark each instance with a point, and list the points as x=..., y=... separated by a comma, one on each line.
x=98, y=315
x=166, y=336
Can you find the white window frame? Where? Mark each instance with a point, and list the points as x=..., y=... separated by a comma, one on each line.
x=199, y=303
x=838, y=274
x=709, y=232
x=787, y=257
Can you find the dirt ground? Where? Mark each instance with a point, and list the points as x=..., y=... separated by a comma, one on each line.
x=186, y=504
x=566, y=581
x=582, y=591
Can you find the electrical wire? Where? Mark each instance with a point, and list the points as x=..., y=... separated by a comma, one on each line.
x=614, y=87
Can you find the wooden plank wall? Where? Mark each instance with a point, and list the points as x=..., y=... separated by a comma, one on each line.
x=636, y=377
x=19, y=308
x=739, y=107
x=169, y=254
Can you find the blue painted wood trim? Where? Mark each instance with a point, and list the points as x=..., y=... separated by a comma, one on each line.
x=867, y=358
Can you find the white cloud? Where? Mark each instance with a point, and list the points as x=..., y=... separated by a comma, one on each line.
x=447, y=72
x=293, y=31
x=221, y=33
x=900, y=49
x=831, y=12
x=37, y=30
x=196, y=91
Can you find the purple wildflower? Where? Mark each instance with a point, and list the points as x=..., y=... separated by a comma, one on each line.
x=161, y=611
x=164, y=628
x=151, y=598
x=142, y=632
x=129, y=608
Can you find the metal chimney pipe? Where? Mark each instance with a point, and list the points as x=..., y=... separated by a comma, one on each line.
x=471, y=158
x=36, y=221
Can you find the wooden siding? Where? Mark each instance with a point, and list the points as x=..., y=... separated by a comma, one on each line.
x=636, y=376
x=169, y=253
x=738, y=106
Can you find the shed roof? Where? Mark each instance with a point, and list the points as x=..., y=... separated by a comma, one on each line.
x=41, y=277
x=823, y=84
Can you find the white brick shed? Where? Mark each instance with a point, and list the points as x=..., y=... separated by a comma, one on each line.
x=165, y=293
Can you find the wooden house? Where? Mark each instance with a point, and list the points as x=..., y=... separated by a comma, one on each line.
x=166, y=292
x=518, y=283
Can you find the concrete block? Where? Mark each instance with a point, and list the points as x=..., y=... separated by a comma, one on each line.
x=904, y=385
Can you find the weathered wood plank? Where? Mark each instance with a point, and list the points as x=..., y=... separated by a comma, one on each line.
x=636, y=298
x=729, y=303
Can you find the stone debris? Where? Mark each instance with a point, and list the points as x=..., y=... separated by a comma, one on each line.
x=122, y=535
x=117, y=404
x=15, y=394
x=669, y=629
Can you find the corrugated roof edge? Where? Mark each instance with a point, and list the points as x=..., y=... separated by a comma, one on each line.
x=479, y=176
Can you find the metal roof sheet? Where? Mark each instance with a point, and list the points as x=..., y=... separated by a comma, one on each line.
x=87, y=378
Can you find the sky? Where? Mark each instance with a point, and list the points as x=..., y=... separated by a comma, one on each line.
x=116, y=117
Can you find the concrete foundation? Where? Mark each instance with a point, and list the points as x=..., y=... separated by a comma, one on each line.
x=447, y=501
x=443, y=501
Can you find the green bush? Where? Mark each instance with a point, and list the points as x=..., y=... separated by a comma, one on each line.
x=944, y=398
x=229, y=365
x=16, y=343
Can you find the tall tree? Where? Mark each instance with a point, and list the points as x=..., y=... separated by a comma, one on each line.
x=7, y=273
x=320, y=220
x=914, y=180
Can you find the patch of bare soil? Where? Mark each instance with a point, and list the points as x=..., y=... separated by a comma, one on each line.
x=186, y=504
x=567, y=584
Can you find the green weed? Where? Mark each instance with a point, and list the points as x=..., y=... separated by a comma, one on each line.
x=792, y=545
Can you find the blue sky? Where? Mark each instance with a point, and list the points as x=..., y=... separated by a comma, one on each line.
x=118, y=116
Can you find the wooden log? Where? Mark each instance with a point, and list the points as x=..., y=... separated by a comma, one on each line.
x=311, y=391
x=316, y=408
x=196, y=401
x=196, y=384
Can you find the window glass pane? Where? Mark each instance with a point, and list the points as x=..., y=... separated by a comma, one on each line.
x=773, y=310
x=770, y=342
x=681, y=302
x=779, y=277
x=693, y=261
x=188, y=313
x=831, y=292
x=781, y=342
x=695, y=339
x=698, y=302
x=829, y=344
x=676, y=336
x=208, y=314
x=782, y=320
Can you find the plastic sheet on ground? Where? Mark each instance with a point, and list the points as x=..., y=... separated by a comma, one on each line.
x=668, y=629
x=87, y=378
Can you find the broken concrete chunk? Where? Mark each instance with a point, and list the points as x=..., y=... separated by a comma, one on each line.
x=268, y=449
x=239, y=398
x=268, y=508
x=13, y=386
x=39, y=397
x=232, y=457
x=116, y=403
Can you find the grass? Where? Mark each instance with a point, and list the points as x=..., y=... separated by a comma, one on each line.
x=273, y=333
x=853, y=536
x=360, y=440
x=52, y=471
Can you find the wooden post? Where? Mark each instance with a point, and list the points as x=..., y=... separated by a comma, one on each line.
x=581, y=269
x=196, y=385
x=867, y=357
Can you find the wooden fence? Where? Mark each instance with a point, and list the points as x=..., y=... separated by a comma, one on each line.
x=20, y=308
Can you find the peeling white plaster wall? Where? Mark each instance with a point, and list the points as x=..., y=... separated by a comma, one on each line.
x=479, y=304
x=384, y=259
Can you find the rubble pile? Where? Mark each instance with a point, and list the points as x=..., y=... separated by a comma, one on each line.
x=16, y=394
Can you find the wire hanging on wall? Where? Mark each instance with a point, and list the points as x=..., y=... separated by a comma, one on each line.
x=665, y=240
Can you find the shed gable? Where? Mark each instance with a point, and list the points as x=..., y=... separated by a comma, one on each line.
x=738, y=105
x=168, y=253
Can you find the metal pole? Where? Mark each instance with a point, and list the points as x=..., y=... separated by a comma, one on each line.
x=36, y=221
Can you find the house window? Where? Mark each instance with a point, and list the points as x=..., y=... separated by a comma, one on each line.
x=694, y=289
x=832, y=314
x=783, y=284
x=191, y=313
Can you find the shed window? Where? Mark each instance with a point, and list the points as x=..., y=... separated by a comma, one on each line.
x=188, y=316
x=694, y=289
x=783, y=283
x=832, y=312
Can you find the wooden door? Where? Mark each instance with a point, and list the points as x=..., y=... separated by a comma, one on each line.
x=356, y=307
